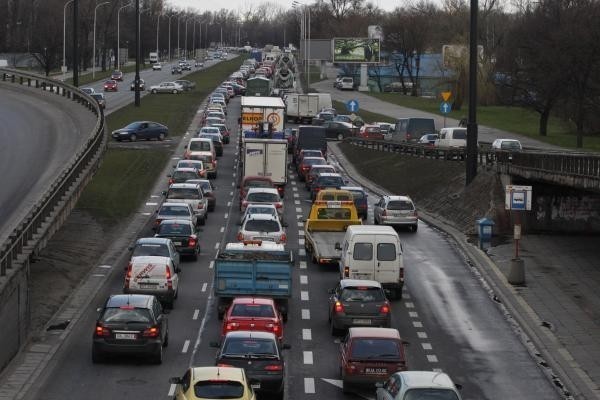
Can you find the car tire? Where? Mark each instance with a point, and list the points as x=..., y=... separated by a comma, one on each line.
x=165, y=342
x=345, y=387
x=161, y=136
x=203, y=221
x=195, y=256
x=153, y=91
x=375, y=221
x=340, y=136
x=157, y=357
x=97, y=357
x=175, y=91
x=415, y=227
x=335, y=331
x=132, y=137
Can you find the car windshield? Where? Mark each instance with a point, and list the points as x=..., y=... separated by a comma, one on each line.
x=333, y=213
x=174, y=229
x=214, y=130
x=199, y=145
x=184, y=175
x=218, y=389
x=401, y=205
x=510, y=145
x=133, y=125
x=253, y=310
x=207, y=158
x=249, y=346
x=261, y=225
x=331, y=181
x=147, y=249
x=460, y=134
x=190, y=164
x=430, y=394
x=174, y=210
x=314, y=161
x=365, y=293
x=375, y=348
x=126, y=314
x=183, y=193
x=262, y=197
x=257, y=183
x=97, y=96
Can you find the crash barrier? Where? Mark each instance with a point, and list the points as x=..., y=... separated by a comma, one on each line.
x=46, y=216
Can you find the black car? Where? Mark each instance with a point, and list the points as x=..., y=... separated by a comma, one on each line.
x=99, y=97
x=187, y=85
x=176, y=70
x=141, y=130
x=130, y=324
x=322, y=117
x=141, y=85
x=183, y=234
x=259, y=353
x=339, y=130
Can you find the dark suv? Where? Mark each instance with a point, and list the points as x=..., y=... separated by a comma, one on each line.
x=130, y=324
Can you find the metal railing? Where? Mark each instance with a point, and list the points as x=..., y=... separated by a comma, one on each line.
x=70, y=182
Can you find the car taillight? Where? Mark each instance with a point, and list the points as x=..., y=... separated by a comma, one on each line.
x=192, y=242
x=346, y=271
x=339, y=307
x=401, y=274
x=214, y=164
x=280, y=189
x=244, y=203
x=274, y=367
x=157, y=222
x=151, y=332
x=200, y=205
x=385, y=308
x=384, y=213
x=128, y=275
x=283, y=238
x=231, y=326
x=275, y=328
x=240, y=236
x=278, y=205
x=168, y=277
x=222, y=366
x=102, y=331
x=317, y=188
x=305, y=168
x=415, y=213
x=351, y=368
x=171, y=181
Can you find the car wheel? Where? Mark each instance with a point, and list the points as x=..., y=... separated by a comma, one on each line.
x=203, y=221
x=153, y=91
x=158, y=356
x=335, y=331
x=415, y=227
x=97, y=357
x=166, y=341
x=161, y=136
x=345, y=387
x=132, y=137
x=175, y=91
x=375, y=221
x=195, y=256
x=340, y=136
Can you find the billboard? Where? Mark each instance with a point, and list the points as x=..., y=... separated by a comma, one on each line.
x=375, y=32
x=356, y=50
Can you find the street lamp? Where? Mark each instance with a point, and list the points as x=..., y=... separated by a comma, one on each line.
x=305, y=33
x=185, y=53
x=178, y=54
x=64, y=64
x=157, y=22
x=94, y=47
x=119, y=34
x=170, y=36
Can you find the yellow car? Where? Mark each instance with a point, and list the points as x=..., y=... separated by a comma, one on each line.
x=202, y=383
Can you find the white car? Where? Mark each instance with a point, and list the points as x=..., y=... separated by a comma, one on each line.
x=507, y=145
x=262, y=227
x=253, y=209
x=166, y=87
x=407, y=385
x=157, y=67
x=262, y=196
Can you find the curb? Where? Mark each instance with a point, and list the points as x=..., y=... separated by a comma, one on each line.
x=570, y=380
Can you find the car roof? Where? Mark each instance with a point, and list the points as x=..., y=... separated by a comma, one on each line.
x=406, y=198
x=184, y=185
x=426, y=379
x=185, y=169
x=250, y=334
x=252, y=300
x=153, y=240
x=322, y=166
x=389, y=333
x=330, y=174
x=261, y=205
x=262, y=190
x=221, y=373
x=174, y=203
x=134, y=300
x=176, y=221
x=359, y=282
x=262, y=217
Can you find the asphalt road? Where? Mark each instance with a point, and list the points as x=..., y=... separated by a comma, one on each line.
x=446, y=316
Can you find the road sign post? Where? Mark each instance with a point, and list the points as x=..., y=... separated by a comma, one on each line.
x=445, y=108
x=517, y=198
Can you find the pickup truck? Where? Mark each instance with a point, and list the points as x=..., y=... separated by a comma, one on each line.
x=325, y=229
x=253, y=268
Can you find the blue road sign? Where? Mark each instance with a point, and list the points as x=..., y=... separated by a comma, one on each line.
x=445, y=107
x=352, y=105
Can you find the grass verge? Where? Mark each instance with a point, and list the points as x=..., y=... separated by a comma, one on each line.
x=367, y=116
x=85, y=78
x=126, y=176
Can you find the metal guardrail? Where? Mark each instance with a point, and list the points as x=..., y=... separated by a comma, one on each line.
x=71, y=180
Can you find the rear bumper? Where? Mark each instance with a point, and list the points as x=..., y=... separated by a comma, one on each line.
x=161, y=295
x=149, y=347
x=268, y=383
x=346, y=321
x=399, y=221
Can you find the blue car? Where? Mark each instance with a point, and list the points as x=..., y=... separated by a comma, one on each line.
x=360, y=200
x=141, y=130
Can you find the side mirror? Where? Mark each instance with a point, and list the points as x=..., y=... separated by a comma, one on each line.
x=130, y=248
x=338, y=246
x=99, y=309
x=215, y=344
x=164, y=192
x=458, y=386
x=284, y=224
x=175, y=380
x=286, y=346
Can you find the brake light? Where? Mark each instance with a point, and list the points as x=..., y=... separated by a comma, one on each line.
x=200, y=205
x=245, y=203
x=351, y=368
x=401, y=275
x=280, y=189
x=385, y=308
x=278, y=205
x=168, y=276
x=305, y=167
x=102, y=331
x=192, y=242
x=214, y=164
x=222, y=366
x=275, y=328
x=274, y=367
x=128, y=275
x=283, y=238
x=346, y=271
x=339, y=307
x=171, y=181
x=231, y=326
x=240, y=236
x=151, y=332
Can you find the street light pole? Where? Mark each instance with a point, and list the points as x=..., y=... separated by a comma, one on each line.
x=170, y=36
x=119, y=34
x=137, y=54
x=185, y=53
x=471, y=161
x=94, y=46
x=64, y=64
x=178, y=55
x=157, y=22
x=75, y=44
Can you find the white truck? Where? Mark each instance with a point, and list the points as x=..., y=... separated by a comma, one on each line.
x=153, y=58
x=304, y=107
x=257, y=111
x=265, y=157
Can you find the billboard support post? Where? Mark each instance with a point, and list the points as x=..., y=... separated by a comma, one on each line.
x=364, y=76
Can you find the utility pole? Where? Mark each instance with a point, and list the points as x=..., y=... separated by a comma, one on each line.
x=137, y=53
x=75, y=44
x=471, y=162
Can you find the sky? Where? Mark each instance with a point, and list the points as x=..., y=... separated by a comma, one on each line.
x=212, y=5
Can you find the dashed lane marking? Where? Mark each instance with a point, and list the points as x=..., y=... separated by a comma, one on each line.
x=413, y=314
x=186, y=346
x=431, y=358
x=105, y=266
x=232, y=183
x=304, y=295
x=146, y=213
x=422, y=335
x=217, y=245
x=437, y=370
x=228, y=204
x=211, y=265
x=301, y=242
x=417, y=324
x=309, y=385
x=151, y=204
x=98, y=275
x=222, y=229
x=409, y=305
x=302, y=264
x=172, y=390
x=301, y=232
x=294, y=183
x=226, y=216
x=303, y=280
x=298, y=209
x=301, y=252
x=155, y=196
x=297, y=202
x=295, y=189
x=308, y=357
x=306, y=334
x=300, y=224
x=406, y=295
x=426, y=346
x=196, y=313
x=305, y=313
x=204, y=285
x=231, y=193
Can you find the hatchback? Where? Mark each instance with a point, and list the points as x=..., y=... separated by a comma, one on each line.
x=315, y=170
x=306, y=163
x=208, y=159
x=181, y=175
x=172, y=210
x=411, y=385
x=117, y=75
x=111, y=86
x=358, y=303
x=263, y=195
x=325, y=180
x=253, y=181
x=371, y=132
x=253, y=314
x=397, y=211
x=262, y=227
x=202, y=383
x=251, y=209
x=196, y=164
x=359, y=196
x=216, y=139
x=183, y=234
x=130, y=324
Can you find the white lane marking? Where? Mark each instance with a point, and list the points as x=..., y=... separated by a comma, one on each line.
x=231, y=193
x=302, y=264
x=175, y=158
x=301, y=252
x=406, y=295
x=172, y=390
x=417, y=324
x=155, y=196
x=296, y=195
x=228, y=204
x=211, y=265
x=196, y=313
x=217, y=245
x=303, y=280
x=98, y=275
x=305, y=313
x=105, y=266
x=204, y=285
x=186, y=346
x=431, y=358
x=426, y=346
x=304, y=295
x=306, y=334
x=234, y=174
x=409, y=305
x=232, y=183
x=298, y=209
x=301, y=232
x=334, y=382
x=295, y=189
x=308, y=357
x=301, y=242
x=300, y=224
x=413, y=314
x=226, y=215
x=294, y=183
x=146, y=213
x=437, y=370
x=309, y=385
x=422, y=335
x=222, y=229
x=297, y=202
x=151, y=204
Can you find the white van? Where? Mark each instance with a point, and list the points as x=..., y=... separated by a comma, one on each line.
x=451, y=138
x=153, y=275
x=199, y=144
x=373, y=252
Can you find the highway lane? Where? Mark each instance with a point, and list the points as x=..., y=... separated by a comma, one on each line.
x=39, y=134
x=446, y=316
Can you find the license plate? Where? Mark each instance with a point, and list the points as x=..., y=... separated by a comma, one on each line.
x=126, y=336
x=255, y=386
x=375, y=370
x=148, y=286
x=361, y=321
x=177, y=243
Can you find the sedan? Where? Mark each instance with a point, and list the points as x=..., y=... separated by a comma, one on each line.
x=166, y=87
x=183, y=174
x=371, y=132
x=183, y=234
x=253, y=314
x=141, y=85
x=225, y=132
x=99, y=97
x=339, y=130
x=88, y=90
x=208, y=190
x=174, y=210
x=358, y=303
x=117, y=75
x=187, y=85
x=141, y=130
x=263, y=195
x=259, y=353
x=306, y=164
x=176, y=70
x=157, y=67
x=262, y=227
x=111, y=86
x=201, y=383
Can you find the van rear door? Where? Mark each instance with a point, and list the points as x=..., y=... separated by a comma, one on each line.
x=362, y=260
x=387, y=258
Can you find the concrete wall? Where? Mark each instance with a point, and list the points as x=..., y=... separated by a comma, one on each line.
x=14, y=312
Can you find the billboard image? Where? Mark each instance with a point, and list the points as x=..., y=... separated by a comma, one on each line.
x=356, y=50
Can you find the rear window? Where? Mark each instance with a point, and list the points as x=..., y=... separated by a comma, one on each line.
x=317, y=161
x=460, y=134
x=174, y=210
x=261, y=210
x=249, y=346
x=252, y=310
x=312, y=153
x=159, y=250
x=199, y=145
x=401, y=205
x=207, y=158
x=362, y=294
x=333, y=181
x=190, y=164
x=262, y=226
x=263, y=197
x=174, y=229
x=386, y=252
x=430, y=394
x=126, y=314
x=357, y=195
x=183, y=193
x=217, y=389
x=375, y=348
x=363, y=251
x=510, y=145
x=184, y=175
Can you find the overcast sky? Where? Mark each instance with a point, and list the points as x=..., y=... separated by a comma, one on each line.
x=212, y=5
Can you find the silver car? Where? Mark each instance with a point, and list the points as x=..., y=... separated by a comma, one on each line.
x=396, y=210
x=191, y=194
x=166, y=87
x=262, y=227
x=253, y=209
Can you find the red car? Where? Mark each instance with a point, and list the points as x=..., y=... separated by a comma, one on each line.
x=253, y=314
x=111, y=86
x=254, y=181
x=306, y=164
x=371, y=132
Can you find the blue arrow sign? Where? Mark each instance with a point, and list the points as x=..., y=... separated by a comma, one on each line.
x=445, y=107
x=352, y=105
